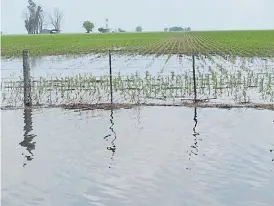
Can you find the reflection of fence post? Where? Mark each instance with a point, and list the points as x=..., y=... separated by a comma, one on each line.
x=194, y=78
x=28, y=142
x=110, y=77
x=27, y=81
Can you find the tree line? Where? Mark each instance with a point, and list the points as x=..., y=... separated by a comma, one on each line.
x=36, y=21
x=177, y=28
x=89, y=26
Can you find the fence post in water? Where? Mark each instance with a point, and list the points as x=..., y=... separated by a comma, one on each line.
x=110, y=77
x=194, y=78
x=27, y=80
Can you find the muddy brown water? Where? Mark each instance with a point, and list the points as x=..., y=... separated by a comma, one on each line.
x=141, y=156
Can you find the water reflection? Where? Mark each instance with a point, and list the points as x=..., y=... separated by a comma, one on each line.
x=138, y=117
x=194, y=149
x=272, y=151
x=112, y=135
x=180, y=57
x=28, y=137
x=35, y=61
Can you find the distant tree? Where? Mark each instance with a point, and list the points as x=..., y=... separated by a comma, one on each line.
x=30, y=17
x=42, y=22
x=121, y=30
x=89, y=26
x=139, y=29
x=176, y=28
x=33, y=18
x=166, y=29
x=56, y=19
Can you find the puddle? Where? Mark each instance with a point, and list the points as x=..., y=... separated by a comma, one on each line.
x=139, y=156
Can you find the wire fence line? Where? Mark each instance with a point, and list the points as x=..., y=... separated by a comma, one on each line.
x=211, y=82
x=131, y=89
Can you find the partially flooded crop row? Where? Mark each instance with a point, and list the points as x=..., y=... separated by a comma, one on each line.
x=231, y=80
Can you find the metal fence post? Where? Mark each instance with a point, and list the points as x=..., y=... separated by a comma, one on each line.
x=27, y=80
x=110, y=77
x=194, y=78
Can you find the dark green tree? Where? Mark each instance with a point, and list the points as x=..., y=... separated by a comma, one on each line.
x=176, y=28
x=89, y=26
x=121, y=30
x=139, y=29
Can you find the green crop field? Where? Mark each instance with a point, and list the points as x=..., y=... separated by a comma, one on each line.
x=237, y=43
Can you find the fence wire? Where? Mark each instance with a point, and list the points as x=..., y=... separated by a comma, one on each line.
x=171, y=83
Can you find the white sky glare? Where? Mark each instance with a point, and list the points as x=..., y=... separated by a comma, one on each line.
x=152, y=15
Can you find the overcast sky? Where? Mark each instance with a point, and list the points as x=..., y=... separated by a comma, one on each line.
x=152, y=15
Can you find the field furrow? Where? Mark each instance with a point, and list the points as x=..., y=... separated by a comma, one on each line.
x=224, y=43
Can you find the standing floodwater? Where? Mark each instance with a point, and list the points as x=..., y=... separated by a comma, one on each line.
x=140, y=80
x=157, y=151
x=141, y=156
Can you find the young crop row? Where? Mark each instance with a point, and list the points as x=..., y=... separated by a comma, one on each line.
x=223, y=86
x=226, y=43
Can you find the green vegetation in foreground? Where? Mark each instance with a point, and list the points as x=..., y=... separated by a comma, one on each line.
x=240, y=43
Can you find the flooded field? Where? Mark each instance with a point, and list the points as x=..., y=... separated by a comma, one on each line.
x=142, y=155
x=140, y=80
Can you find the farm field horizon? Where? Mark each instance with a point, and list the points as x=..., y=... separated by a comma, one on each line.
x=242, y=43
